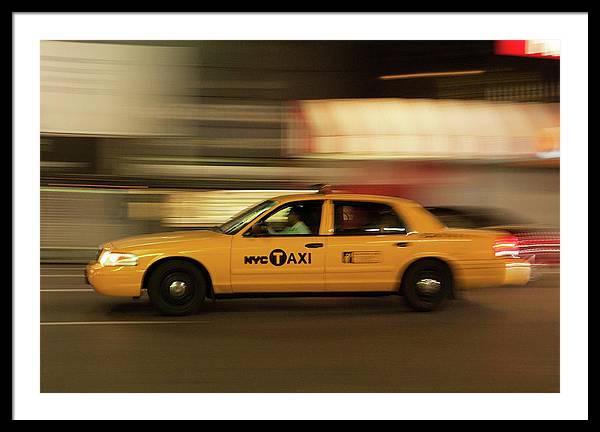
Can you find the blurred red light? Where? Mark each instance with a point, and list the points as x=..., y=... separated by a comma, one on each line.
x=506, y=246
x=523, y=48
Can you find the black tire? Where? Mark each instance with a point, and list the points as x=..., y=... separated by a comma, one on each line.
x=426, y=285
x=177, y=288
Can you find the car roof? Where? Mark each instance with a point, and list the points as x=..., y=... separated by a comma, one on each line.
x=343, y=197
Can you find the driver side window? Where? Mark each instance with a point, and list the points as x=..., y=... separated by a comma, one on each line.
x=279, y=219
x=297, y=218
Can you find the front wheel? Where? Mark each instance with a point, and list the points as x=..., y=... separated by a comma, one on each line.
x=427, y=285
x=177, y=288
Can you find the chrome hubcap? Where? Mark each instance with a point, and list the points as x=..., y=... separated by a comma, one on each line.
x=177, y=289
x=429, y=286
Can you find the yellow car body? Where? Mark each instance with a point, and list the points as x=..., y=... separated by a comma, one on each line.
x=243, y=263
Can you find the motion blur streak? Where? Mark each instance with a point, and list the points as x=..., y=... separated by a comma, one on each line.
x=431, y=74
x=147, y=136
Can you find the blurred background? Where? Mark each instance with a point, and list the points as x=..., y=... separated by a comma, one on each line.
x=148, y=136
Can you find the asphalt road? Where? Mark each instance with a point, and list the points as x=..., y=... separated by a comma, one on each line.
x=503, y=339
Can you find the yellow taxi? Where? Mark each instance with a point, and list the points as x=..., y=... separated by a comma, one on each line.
x=308, y=244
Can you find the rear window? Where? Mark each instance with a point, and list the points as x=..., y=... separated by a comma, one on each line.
x=475, y=217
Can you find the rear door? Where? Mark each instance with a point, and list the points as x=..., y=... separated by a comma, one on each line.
x=366, y=249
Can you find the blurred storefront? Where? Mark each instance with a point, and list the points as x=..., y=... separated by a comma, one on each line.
x=149, y=135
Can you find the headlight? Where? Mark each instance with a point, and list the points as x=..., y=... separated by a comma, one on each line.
x=112, y=259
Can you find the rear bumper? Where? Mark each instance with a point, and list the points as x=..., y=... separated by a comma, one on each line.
x=490, y=273
x=517, y=273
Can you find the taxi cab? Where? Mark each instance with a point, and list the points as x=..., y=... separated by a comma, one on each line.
x=308, y=244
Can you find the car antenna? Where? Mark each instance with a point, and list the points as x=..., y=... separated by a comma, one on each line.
x=322, y=188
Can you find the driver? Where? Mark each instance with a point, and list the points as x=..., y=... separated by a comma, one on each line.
x=295, y=224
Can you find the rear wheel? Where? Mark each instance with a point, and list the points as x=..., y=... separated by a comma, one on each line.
x=177, y=288
x=427, y=285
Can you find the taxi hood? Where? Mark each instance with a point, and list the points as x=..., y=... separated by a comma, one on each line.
x=149, y=241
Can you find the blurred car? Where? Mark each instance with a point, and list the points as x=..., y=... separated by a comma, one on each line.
x=308, y=244
x=538, y=244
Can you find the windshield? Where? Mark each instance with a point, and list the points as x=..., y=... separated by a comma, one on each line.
x=240, y=220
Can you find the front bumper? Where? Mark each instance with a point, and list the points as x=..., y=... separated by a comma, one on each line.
x=124, y=281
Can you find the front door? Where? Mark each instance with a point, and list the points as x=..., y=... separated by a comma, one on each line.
x=286, y=254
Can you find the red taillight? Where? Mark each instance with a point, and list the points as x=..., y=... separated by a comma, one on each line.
x=506, y=246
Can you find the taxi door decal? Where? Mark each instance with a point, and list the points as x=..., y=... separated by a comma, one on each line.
x=361, y=257
x=279, y=257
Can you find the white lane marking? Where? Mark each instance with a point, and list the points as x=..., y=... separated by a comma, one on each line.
x=63, y=268
x=65, y=323
x=68, y=290
x=78, y=275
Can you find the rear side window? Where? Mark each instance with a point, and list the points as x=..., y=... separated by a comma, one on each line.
x=363, y=218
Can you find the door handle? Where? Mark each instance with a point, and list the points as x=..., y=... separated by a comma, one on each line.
x=313, y=245
x=402, y=244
